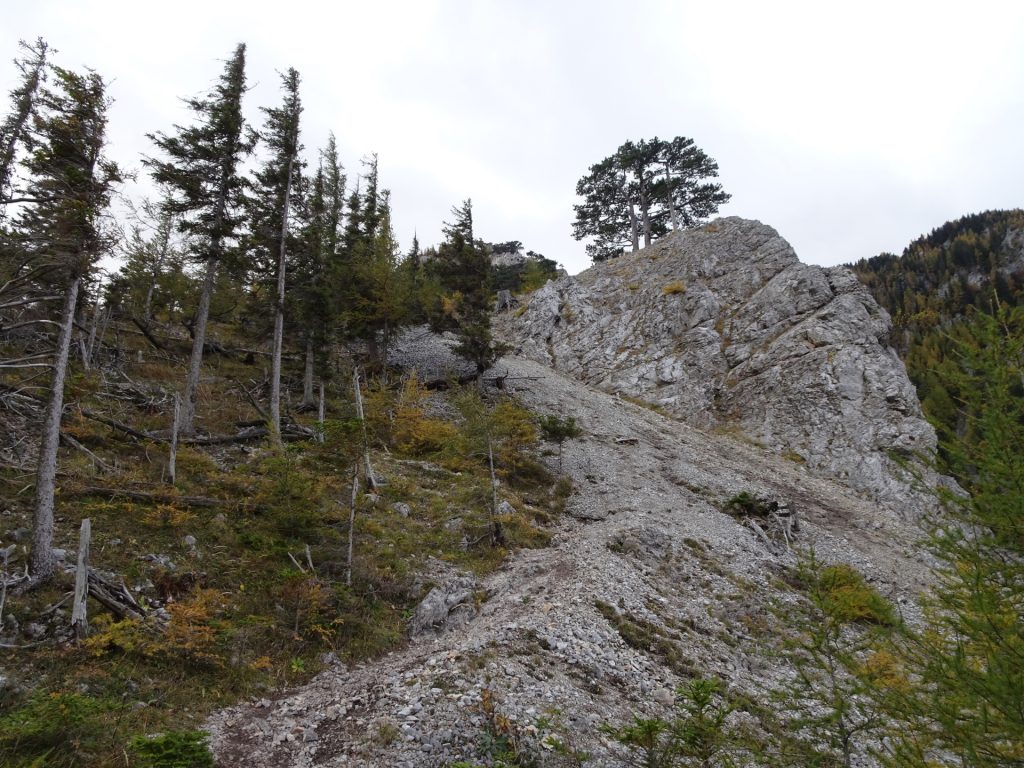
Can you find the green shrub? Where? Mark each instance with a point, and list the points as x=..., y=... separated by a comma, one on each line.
x=175, y=749
x=51, y=729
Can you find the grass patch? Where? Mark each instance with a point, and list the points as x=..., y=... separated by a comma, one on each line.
x=649, y=638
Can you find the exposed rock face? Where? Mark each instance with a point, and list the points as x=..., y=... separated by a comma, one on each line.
x=723, y=326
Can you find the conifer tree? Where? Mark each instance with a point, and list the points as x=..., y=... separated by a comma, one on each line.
x=313, y=290
x=381, y=303
x=275, y=185
x=70, y=184
x=202, y=173
x=464, y=272
x=641, y=189
x=968, y=704
x=23, y=102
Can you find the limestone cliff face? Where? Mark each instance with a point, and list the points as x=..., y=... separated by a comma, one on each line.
x=724, y=327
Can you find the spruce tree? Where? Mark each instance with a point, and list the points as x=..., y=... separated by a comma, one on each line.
x=201, y=171
x=464, y=272
x=17, y=124
x=70, y=184
x=271, y=204
x=314, y=290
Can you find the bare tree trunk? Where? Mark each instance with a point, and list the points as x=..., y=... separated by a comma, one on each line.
x=43, y=563
x=188, y=410
x=166, y=225
x=371, y=479
x=275, y=364
x=668, y=195
x=172, y=459
x=79, y=610
x=93, y=329
x=352, y=522
x=634, y=228
x=307, y=378
x=497, y=535
x=320, y=413
x=645, y=216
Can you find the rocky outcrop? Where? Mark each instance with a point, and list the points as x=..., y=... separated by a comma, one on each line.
x=723, y=327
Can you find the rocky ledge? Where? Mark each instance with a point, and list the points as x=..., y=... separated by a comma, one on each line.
x=723, y=327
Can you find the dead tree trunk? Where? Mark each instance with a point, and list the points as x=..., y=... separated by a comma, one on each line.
x=94, y=327
x=497, y=535
x=352, y=523
x=371, y=479
x=307, y=377
x=320, y=414
x=188, y=410
x=275, y=364
x=43, y=563
x=79, y=612
x=172, y=458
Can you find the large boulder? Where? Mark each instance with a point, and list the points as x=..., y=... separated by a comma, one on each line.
x=722, y=326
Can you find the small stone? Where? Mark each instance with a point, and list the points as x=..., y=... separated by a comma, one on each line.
x=309, y=736
x=401, y=508
x=664, y=697
x=189, y=541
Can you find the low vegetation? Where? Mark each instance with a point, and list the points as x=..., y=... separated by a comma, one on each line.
x=242, y=566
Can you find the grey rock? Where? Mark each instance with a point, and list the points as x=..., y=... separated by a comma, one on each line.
x=435, y=611
x=791, y=355
x=664, y=697
x=402, y=508
x=505, y=508
x=189, y=541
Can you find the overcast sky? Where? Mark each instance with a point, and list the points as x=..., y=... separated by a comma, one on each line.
x=851, y=128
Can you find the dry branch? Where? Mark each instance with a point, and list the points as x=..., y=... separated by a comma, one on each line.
x=116, y=598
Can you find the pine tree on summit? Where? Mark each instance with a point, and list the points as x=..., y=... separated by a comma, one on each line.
x=642, y=189
x=201, y=173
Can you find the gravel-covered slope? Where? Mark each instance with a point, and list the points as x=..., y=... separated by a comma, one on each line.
x=645, y=538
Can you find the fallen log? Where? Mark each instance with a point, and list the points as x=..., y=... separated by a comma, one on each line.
x=199, y=502
x=116, y=598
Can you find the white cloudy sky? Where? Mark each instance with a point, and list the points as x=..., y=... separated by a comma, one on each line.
x=849, y=127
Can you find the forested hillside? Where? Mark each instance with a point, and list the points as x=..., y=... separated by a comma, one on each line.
x=935, y=292
x=256, y=490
